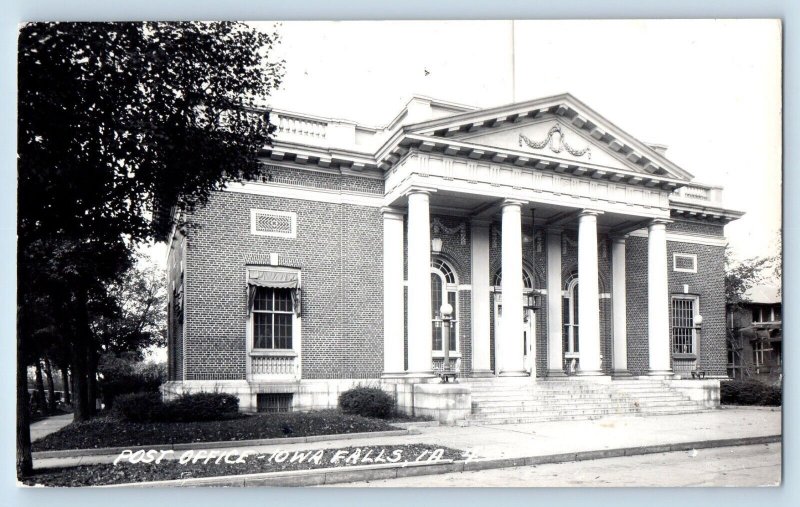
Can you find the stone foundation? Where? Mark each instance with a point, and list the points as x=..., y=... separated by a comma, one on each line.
x=706, y=391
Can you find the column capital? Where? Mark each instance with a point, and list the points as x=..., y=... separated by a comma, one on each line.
x=659, y=221
x=618, y=238
x=554, y=229
x=586, y=212
x=392, y=213
x=419, y=189
x=508, y=202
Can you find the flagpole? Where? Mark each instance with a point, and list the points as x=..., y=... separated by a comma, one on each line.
x=513, y=66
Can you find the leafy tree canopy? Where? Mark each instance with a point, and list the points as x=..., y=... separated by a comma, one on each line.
x=121, y=121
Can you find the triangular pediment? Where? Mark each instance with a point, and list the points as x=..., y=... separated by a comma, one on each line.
x=552, y=138
x=557, y=127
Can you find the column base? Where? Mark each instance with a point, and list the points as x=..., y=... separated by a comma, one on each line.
x=482, y=373
x=556, y=373
x=590, y=373
x=399, y=374
x=660, y=373
x=514, y=373
x=621, y=373
x=420, y=374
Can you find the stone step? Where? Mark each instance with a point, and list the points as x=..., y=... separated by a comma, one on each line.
x=619, y=404
x=558, y=417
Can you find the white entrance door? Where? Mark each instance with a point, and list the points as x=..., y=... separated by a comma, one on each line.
x=528, y=334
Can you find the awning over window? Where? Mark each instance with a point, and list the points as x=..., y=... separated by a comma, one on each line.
x=272, y=279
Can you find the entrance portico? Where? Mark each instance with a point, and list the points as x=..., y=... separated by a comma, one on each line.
x=501, y=349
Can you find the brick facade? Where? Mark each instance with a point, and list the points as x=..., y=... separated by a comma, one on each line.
x=707, y=284
x=338, y=250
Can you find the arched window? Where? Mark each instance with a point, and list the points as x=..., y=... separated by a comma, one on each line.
x=444, y=287
x=569, y=318
x=527, y=282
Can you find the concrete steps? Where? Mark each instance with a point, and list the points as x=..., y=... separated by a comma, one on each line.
x=510, y=401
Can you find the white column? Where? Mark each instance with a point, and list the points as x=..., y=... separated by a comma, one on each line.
x=419, y=284
x=555, y=353
x=619, y=358
x=393, y=315
x=588, y=294
x=658, y=299
x=481, y=360
x=510, y=342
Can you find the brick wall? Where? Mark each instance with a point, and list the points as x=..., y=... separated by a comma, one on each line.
x=339, y=251
x=707, y=284
x=175, y=306
x=696, y=227
x=636, y=305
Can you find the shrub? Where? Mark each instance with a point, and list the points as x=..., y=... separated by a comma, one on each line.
x=202, y=407
x=749, y=392
x=367, y=402
x=140, y=407
x=125, y=374
x=149, y=407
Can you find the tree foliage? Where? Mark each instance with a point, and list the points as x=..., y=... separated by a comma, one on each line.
x=119, y=126
x=740, y=276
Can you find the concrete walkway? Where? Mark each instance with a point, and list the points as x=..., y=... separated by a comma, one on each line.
x=540, y=439
x=49, y=425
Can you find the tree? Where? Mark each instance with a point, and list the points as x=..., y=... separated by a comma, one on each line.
x=119, y=125
x=740, y=276
x=133, y=315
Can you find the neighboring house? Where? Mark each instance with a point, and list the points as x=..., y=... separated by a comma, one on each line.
x=755, y=340
x=331, y=269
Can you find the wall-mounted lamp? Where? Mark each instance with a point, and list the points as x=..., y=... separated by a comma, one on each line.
x=698, y=321
x=436, y=245
x=533, y=301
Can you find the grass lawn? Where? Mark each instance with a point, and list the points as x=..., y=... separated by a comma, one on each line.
x=97, y=475
x=110, y=432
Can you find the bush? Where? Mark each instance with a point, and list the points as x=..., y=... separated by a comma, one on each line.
x=202, y=407
x=149, y=407
x=125, y=374
x=140, y=407
x=367, y=402
x=750, y=392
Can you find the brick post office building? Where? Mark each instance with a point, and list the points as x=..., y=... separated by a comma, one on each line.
x=575, y=257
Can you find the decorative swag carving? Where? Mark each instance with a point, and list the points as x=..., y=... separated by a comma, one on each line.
x=555, y=145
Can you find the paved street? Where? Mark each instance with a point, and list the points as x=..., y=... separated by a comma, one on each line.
x=756, y=465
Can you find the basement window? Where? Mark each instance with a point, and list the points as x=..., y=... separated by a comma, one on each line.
x=274, y=402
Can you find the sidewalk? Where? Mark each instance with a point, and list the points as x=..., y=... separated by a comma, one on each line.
x=49, y=425
x=542, y=439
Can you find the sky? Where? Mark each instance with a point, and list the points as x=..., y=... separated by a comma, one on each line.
x=708, y=89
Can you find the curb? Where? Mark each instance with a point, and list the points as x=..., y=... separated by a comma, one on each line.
x=325, y=476
x=103, y=451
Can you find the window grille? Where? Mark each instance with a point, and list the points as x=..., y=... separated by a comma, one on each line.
x=274, y=402
x=683, y=330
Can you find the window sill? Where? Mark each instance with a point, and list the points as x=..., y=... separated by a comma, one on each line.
x=440, y=355
x=684, y=356
x=274, y=352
